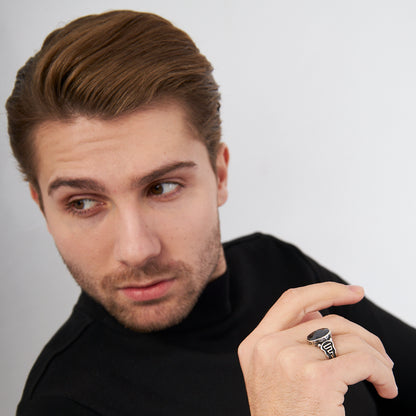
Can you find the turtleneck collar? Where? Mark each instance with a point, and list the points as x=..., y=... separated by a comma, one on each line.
x=212, y=307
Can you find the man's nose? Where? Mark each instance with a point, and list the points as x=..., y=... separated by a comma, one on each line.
x=136, y=241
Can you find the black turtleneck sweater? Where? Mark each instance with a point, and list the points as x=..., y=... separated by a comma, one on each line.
x=95, y=366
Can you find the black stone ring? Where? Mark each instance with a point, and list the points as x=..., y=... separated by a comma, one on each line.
x=322, y=339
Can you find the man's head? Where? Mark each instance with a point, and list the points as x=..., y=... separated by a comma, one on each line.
x=107, y=66
x=115, y=124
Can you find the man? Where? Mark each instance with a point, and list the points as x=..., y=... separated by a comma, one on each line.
x=115, y=124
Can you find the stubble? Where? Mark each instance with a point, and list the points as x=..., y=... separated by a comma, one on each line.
x=190, y=281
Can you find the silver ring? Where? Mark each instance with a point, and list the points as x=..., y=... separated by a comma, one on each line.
x=322, y=339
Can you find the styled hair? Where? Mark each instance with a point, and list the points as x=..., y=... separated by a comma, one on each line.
x=106, y=66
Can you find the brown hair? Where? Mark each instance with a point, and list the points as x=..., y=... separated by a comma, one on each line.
x=106, y=66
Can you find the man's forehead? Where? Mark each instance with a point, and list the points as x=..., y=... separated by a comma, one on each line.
x=169, y=115
x=90, y=147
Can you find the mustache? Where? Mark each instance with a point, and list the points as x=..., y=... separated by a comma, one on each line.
x=153, y=268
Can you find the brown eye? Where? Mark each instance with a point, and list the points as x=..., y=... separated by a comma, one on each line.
x=84, y=207
x=157, y=189
x=79, y=204
x=163, y=188
x=83, y=204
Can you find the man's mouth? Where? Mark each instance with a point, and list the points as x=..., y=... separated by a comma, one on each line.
x=147, y=292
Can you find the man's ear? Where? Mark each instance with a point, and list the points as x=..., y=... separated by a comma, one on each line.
x=36, y=196
x=223, y=157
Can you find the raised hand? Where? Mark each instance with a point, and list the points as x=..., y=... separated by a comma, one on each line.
x=286, y=376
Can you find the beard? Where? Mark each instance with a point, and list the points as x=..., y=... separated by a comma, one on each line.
x=155, y=315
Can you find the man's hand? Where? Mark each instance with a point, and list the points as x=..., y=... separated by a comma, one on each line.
x=284, y=375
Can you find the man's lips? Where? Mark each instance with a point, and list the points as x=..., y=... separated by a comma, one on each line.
x=147, y=292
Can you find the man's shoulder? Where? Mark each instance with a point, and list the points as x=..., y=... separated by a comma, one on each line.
x=270, y=254
x=257, y=240
x=263, y=245
x=56, y=349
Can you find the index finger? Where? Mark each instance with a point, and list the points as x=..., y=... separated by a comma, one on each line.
x=292, y=307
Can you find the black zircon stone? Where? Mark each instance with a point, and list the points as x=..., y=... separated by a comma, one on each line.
x=319, y=333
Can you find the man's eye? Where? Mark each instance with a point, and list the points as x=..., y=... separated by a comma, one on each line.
x=81, y=206
x=163, y=188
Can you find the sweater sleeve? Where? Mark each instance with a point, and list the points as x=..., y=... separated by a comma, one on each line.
x=53, y=406
x=399, y=340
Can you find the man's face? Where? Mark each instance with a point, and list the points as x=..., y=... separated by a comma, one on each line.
x=132, y=205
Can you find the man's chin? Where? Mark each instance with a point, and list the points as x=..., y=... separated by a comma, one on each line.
x=150, y=316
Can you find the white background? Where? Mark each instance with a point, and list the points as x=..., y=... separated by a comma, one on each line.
x=319, y=106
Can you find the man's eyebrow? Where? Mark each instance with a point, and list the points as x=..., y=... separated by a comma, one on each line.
x=94, y=186
x=79, y=183
x=157, y=173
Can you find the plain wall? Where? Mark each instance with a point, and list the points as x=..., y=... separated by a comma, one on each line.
x=318, y=107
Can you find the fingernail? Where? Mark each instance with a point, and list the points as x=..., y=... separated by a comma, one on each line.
x=356, y=289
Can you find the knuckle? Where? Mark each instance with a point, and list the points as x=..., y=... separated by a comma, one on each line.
x=242, y=350
x=371, y=360
x=290, y=295
x=258, y=350
x=315, y=373
x=287, y=357
x=246, y=346
x=264, y=347
x=287, y=363
x=378, y=344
